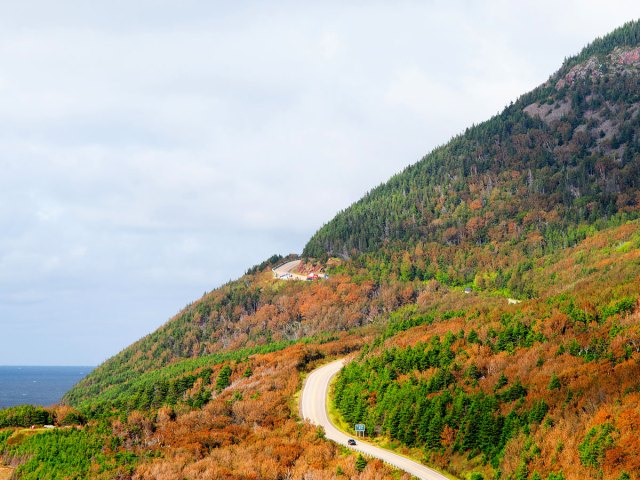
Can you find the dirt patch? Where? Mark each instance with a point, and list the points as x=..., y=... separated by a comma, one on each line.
x=5, y=473
x=609, y=130
x=548, y=113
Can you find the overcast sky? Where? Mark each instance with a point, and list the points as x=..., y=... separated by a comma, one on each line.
x=152, y=150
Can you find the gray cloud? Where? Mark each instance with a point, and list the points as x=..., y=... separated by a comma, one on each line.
x=150, y=152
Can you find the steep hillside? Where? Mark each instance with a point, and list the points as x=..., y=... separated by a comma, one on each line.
x=488, y=295
x=555, y=166
x=547, y=386
x=563, y=155
x=255, y=313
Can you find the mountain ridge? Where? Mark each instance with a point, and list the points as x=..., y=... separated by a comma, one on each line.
x=411, y=204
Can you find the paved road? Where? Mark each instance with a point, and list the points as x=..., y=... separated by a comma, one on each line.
x=314, y=409
x=286, y=269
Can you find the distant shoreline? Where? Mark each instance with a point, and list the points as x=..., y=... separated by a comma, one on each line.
x=48, y=366
x=37, y=385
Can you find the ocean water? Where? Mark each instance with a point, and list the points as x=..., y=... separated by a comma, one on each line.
x=37, y=385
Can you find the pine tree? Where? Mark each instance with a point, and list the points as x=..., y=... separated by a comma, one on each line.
x=224, y=378
x=434, y=433
x=522, y=472
x=172, y=394
x=473, y=337
x=554, y=383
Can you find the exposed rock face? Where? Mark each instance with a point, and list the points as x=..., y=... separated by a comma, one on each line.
x=549, y=112
x=622, y=60
x=592, y=98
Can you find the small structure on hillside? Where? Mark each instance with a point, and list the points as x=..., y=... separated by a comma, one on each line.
x=317, y=276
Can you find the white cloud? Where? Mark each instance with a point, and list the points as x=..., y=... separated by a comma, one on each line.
x=329, y=45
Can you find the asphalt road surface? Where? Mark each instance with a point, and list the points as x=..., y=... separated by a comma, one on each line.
x=313, y=406
x=286, y=269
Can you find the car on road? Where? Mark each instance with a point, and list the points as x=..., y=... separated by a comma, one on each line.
x=351, y=442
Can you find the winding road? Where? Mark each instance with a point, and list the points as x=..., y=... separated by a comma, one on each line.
x=313, y=405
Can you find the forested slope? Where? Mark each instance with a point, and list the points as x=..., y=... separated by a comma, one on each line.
x=551, y=169
x=563, y=155
x=250, y=315
x=544, y=387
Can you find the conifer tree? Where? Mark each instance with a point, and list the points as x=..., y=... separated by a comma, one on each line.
x=224, y=378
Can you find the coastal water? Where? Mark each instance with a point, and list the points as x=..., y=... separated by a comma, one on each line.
x=37, y=385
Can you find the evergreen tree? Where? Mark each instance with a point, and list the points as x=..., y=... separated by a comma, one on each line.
x=554, y=383
x=224, y=378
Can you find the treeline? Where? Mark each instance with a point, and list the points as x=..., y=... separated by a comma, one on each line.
x=271, y=262
x=626, y=35
x=25, y=416
x=28, y=415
